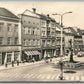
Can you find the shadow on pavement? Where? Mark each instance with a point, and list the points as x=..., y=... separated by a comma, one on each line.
x=70, y=72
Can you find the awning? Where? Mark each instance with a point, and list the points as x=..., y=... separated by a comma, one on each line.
x=32, y=52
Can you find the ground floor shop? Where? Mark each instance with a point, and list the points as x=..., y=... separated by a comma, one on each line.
x=58, y=50
x=31, y=55
x=10, y=54
x=48, y=53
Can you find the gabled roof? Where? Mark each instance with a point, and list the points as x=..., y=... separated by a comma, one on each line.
x=73, y=32
x=6, y=13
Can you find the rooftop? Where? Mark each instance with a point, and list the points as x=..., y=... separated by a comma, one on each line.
x=6, y=13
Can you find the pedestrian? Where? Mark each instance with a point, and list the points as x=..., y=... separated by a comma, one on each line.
x=17, y=62
x=33, y=59
x=5, y=64
x=12, y=63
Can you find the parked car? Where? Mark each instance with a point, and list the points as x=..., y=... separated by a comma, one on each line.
x=80, y=54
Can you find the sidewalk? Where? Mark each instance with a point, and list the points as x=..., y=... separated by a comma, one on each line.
x=54, y=60
x=20, y=65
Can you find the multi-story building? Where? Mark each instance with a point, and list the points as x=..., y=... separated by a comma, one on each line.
x=10, y=46
x=74, y=34
x=48, y=39
x=69, y=35
x=58, y=41
x=78, y=42
x=30, y=35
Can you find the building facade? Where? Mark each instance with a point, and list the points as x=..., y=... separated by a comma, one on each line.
x=58, y=41
x=69, y=35
x=10, y=46
x=78, y=41
x=48, y=39
x=30, y=36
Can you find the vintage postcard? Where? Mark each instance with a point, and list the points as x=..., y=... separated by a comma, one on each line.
x=41, y=41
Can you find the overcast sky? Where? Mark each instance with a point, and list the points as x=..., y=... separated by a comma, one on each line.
x=74, y=19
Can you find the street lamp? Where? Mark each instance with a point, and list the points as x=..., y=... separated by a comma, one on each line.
x=61, y=63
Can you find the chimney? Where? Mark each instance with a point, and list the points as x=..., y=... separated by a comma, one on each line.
x=34, y=10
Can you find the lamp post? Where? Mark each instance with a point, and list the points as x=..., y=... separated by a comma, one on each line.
x=61, y=54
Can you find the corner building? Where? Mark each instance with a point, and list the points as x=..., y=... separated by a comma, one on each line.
x=10, y=46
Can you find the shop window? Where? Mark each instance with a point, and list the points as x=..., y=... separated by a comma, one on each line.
x=9, y=55
x=16, y=54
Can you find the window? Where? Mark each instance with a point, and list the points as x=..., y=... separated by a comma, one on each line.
x=25, y=42
x=25, y=30
x=43, y=23
x=34, y=42
x=29, y=42
x=53, y=42
x=38, y=42
x=29, y=30
x=1, y=26
x=9, y=41
x=48, y=33
x=9, y=27
x=53, y=25
x=48, y=42
x=16, y=28
x=33, y=30
x=53, y=33
x=43, y=33
x=1, y=40
x=43, y=42
x=16, y=41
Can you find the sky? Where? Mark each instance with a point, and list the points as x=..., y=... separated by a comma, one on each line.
x=74, y=19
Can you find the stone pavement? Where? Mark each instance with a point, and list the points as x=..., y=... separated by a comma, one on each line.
x=20, y=65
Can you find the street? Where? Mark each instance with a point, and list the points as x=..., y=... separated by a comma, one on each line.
x=39, y=72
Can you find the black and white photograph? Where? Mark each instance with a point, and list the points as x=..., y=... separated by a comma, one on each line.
x=41, y=41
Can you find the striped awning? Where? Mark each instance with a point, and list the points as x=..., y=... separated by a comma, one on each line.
x=34, y=52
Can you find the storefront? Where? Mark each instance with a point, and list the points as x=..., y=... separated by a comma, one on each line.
x=9, y=55
x=31, y=54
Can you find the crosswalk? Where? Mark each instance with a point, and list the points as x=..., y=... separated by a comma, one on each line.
x=41, y=77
